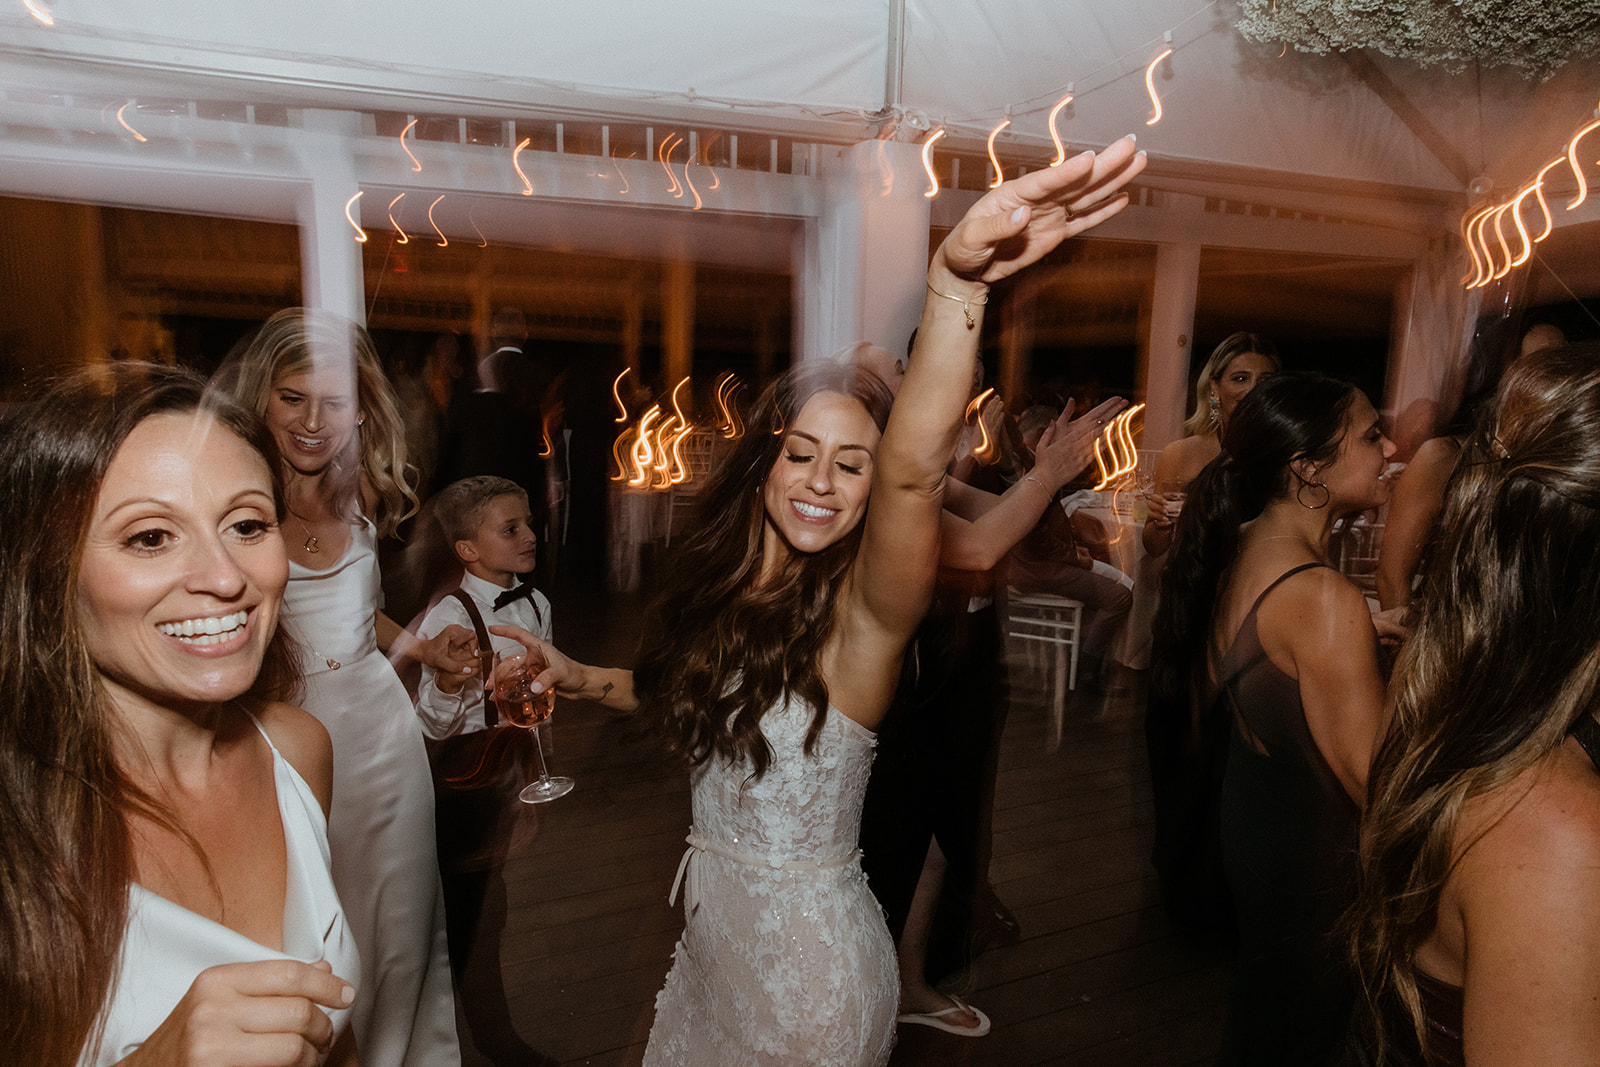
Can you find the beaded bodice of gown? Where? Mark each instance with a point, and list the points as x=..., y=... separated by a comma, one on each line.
x=785, y=958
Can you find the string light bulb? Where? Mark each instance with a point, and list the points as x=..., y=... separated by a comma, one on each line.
x=361, y=235
x=403, y=238
x=527, y=186
x=416, y=164
x=1055, y=137
x=927, y=162
x=1577, y=171
x=999, y=173
x=1150, y=85
x=444, y=241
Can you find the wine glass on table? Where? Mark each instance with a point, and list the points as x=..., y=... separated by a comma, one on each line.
x=523, y=707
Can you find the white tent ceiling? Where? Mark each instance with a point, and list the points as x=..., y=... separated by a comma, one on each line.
x=822, y=69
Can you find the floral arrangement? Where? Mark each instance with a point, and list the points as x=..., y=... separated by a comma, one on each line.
x=1536, y=37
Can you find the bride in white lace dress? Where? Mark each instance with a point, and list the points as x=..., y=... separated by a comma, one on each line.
x=775, y=646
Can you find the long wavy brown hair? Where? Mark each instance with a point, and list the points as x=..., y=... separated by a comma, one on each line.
x=295, y=341
x=64, y=801
x=718, y=651
x=1504, y=658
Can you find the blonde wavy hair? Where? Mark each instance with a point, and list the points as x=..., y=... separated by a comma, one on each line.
x=295, y=341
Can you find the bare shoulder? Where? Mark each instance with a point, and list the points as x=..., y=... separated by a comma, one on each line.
x=304, y=743
x=1317, y=614
x=1431, y=467
x=1540, y=830
x=1524, y=885
x=1186, y=457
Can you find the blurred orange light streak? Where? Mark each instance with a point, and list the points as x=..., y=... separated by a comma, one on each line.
x=1150, y=86
x=976, y=405
x=1522, y=231
x=615, y=395
x=1482, y=242
x=403, y=238
x=527, y=186
x=361, y=235
x=705, y=159
x=39, y=12
x=1538, y=193
x=643, y=455
x=999, y=172
x=444, y=242
x=1120, y=447
x=1500, y=236
x=137, y=136
x=727, y=385
x=483, y=242
x=1572, y=158
x=663, y=154
x=689, y=182
x=1055, y=138
x=416, y=165
x=927, y=163
x=623, y=444
x=1479, y=272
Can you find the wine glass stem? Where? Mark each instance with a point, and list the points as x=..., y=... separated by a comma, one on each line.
x=538, y=747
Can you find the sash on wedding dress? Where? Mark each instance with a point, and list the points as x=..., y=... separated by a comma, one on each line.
x=688, y=876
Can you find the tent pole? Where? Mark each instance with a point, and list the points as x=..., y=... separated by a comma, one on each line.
x=896, y=60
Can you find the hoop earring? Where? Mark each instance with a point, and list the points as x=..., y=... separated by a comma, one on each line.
x=1326, y=496
x=1216, y=410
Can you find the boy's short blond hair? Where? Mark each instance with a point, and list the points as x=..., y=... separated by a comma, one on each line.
x=459, y=506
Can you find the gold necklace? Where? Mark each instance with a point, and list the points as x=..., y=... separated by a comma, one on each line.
x=311, y=545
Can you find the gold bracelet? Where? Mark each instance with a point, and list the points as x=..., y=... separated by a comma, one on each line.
x=1041, y=485
x=965, y=302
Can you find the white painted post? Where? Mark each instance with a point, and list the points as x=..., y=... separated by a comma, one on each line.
x=860, y=266
x=330, y=256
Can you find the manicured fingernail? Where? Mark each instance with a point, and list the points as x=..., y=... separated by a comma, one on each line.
x=347, y=995
x=537, y=688
x=1086, y=152
x=1016, y=216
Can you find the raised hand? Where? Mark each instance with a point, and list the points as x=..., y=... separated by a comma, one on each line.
x=1025, y=218
x=266, y=1013
x=1066, y=447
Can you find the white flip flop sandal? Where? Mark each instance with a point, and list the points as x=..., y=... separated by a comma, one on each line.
x=936, y=1019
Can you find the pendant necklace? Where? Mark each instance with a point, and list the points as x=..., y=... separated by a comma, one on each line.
x=311, y=545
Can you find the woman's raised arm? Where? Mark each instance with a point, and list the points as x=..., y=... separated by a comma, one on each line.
x=1010, y=228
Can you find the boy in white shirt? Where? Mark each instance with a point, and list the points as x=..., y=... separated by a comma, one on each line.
x=478, y=763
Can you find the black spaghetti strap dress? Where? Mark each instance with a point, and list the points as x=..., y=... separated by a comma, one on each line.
x=1289, y=838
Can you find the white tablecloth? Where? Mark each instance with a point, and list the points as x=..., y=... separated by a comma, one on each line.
x=1125, y=538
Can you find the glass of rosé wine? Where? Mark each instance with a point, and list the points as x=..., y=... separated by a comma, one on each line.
x=521, y=706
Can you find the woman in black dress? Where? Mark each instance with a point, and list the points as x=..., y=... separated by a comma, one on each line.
x=1283, y=647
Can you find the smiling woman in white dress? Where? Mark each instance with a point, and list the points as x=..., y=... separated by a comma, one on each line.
x=167, y=893
x=774, y=650
x=315, y=380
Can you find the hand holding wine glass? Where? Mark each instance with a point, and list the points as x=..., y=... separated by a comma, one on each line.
x=526, y=705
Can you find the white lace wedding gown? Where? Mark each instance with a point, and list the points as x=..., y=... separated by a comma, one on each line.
x=784, y=958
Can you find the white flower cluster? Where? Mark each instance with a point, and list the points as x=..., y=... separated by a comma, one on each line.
x=1536, y=37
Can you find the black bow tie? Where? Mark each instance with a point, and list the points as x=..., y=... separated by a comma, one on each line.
x=523, y=591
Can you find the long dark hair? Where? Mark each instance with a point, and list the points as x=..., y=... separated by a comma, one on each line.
x=1516, y=569
x=1286, y=417
x=719, y=652
x=64, y=801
